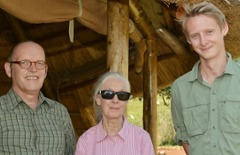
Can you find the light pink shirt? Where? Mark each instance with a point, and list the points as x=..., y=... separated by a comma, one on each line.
x=130, y=140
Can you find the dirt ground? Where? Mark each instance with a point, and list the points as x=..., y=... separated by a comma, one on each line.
x=171, y=151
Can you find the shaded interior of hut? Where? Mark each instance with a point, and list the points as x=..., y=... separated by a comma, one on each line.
x=84, y=39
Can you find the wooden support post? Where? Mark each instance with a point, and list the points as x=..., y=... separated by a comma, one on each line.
x=118, y=38
x=150, y=91
x=149, y=70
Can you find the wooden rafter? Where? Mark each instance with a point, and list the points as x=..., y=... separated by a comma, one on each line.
x=17, y=29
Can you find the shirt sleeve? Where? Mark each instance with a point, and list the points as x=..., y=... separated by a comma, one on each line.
x=81, y=148
x=147, y=146
x=69, y=136
x=177, y=117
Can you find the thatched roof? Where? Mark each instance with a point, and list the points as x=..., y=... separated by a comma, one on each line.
x=231, y=8
x=73, y=67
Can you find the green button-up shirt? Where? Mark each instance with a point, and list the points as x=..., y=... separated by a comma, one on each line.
x=47, y=130
x=208, y=116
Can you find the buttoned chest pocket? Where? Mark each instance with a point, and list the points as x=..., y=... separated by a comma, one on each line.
x=230, y=114
x=196, y=119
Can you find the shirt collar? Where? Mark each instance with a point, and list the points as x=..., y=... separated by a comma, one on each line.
x=123, y=133
x=194, y=74
x=14, y=99
x=230, y=67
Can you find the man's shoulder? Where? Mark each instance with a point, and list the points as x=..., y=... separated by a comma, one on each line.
x=6, y=94
x=3, y=102
x=2, y=97
x=188, y=76
x=183, y=78
x=237, y=63
x=236, y=67
x=55, y=104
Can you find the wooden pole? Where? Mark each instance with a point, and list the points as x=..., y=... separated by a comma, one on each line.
x=150, y=92
x=118, y=36
x=149, y=70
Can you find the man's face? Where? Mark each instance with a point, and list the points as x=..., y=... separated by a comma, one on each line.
x=206, y=36
x=29, y=80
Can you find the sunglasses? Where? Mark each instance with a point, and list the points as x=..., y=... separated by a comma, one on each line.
x=109, y=94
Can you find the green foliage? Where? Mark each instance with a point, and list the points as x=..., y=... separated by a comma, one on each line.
x=165, y=94
x=165, y=127
x=134, y=113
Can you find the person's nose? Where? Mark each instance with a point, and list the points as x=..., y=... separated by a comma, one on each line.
x=115, y=98
x=203, y=40
x=33, y=67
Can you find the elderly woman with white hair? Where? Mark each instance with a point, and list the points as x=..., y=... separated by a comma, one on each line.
x=113, y=135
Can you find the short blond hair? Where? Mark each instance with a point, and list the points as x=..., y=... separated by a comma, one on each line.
x=203, y=8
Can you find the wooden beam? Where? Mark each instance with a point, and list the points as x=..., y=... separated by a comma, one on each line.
x=79, y=77
x=174, y=44
x=141, y=47
x=150, y=92
x=174, y=9
x=73, y=46
x=118, y=36
x=17, y=29
x=168, y=19
x=150, y=69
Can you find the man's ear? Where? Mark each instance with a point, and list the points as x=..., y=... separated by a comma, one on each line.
x=225, y=29
x=8, y=69
x=46, y=70
x=188, y=40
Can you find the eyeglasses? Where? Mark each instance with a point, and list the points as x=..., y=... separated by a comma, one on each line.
x=25, y=64
x=109, y=94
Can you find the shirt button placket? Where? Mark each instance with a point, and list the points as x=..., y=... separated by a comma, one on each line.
x=213, y=120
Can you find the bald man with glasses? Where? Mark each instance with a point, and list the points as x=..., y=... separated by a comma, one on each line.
x=31, y=123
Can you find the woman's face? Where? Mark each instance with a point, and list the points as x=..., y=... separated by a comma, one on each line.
x=112, y=108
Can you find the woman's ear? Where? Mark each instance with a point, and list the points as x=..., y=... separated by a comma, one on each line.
x=98, y=100
x=8, y=69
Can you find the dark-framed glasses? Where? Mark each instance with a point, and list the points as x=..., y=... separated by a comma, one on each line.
x=25, y=64
x=109, y=94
